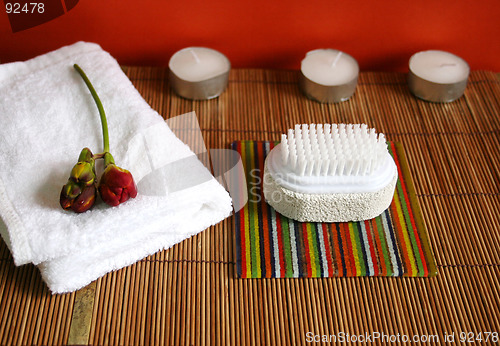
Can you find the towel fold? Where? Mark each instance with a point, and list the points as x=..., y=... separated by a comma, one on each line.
x=47, y=116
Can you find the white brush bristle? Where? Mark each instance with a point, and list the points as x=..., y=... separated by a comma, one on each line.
x=333, y=150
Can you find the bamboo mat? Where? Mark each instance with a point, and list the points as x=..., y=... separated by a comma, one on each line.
x=189, y=294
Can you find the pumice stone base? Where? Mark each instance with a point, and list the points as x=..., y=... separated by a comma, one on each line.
x=328, y=207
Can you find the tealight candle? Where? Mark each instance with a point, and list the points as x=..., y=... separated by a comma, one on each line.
x=199, y=73
x=437, y=76
x=328, y=75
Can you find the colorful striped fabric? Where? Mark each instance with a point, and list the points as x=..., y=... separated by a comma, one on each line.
x=269, y=245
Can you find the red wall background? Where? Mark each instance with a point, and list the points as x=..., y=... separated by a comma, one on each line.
x=380, y=34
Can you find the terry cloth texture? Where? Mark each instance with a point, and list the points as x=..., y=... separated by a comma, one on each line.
x=47, y=116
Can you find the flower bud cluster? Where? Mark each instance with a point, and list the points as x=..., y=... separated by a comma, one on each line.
x=115, y=186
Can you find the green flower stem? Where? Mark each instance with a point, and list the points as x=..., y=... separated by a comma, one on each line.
x=108, y=159
x=99, y=106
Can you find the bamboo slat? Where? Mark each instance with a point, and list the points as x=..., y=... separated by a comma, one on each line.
x=188, y=295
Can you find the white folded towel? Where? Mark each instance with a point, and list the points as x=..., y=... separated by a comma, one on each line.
x=47, y=116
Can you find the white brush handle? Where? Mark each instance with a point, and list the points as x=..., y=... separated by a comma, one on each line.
x=329, y=183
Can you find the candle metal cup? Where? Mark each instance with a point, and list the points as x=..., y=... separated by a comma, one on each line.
x=426, y=86
x=202, y=90
x=435, y=92
x=329, y=93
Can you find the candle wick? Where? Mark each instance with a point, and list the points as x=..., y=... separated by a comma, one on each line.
x=195, y=56
x=336, y=60
x=449, y=64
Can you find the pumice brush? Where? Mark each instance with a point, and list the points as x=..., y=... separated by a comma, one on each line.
x=330, y=173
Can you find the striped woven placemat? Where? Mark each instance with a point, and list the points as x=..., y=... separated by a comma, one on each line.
x=270, y=245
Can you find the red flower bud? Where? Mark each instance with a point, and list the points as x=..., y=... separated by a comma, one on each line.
x=116, y=185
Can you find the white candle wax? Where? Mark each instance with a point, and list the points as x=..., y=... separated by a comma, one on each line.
x=437, y=76
x=329, y=67
x=195, y=64
x=439, y=67
x=328, y=75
